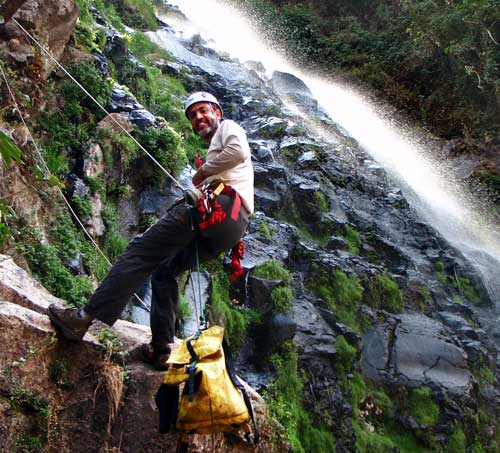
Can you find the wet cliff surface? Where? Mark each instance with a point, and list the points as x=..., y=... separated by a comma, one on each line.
x=393, y=331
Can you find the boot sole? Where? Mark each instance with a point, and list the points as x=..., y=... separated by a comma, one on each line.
x=68, y=334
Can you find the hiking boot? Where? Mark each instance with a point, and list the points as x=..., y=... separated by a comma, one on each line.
x=157, y=358
x=72, y=323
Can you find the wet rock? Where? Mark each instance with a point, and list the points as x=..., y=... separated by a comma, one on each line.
x=260, y=293
x=272, y=128
x=276, y=329
x=122, y=101
x=416, y=352
x=286, y=83
x=337, y=243
x=152, y=203
x=314, y=338
x=262, y=150
x=142, y=119
x=79, y=188
x=75, y=264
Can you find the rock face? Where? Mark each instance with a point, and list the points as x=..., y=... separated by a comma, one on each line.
x=414, y=350
x=52, y=21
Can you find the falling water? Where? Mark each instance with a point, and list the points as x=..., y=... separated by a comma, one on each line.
x=430, y=189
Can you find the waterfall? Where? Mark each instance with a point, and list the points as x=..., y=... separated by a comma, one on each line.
x=403, y=151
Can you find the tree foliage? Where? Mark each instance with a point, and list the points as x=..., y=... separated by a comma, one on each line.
x=437, y=59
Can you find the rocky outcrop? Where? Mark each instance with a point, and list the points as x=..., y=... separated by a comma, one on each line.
x=80, y=397
x=51, y=21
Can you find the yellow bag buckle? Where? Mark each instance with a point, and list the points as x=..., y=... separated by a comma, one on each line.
x=219, y=189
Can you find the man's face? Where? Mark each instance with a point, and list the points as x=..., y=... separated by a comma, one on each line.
x=205, y=119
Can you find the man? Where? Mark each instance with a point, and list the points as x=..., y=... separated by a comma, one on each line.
x=170, y=246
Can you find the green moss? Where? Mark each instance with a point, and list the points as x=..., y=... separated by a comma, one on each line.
x=282, y=297
x=264, y=230
x=341, y=292
x=273, y=270
x=353, y=240
x=284, y=398
x=235, y=319
x=345, y=357
x=467, y=289
x=456, y=442
x=371, y=442
x=441, y=275
x=384, y=293
x=423, y=407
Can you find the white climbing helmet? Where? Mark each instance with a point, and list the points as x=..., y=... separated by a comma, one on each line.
x=201, y=96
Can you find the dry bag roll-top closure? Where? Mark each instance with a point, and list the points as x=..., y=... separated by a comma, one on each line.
x=213, y=399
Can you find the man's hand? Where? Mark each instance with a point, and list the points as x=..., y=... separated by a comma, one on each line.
x=198, y=177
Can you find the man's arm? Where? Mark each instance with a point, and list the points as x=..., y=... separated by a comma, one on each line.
x=231, y=155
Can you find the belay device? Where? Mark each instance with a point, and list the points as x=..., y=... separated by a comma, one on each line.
x=213, y=399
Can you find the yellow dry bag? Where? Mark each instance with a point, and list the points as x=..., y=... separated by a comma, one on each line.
x=213, y=399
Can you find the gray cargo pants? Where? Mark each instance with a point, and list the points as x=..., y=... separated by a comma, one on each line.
x=164, y=251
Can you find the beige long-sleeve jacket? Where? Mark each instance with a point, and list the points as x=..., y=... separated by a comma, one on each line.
x=229, y=160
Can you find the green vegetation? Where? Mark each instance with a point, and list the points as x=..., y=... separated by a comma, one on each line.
x=353, y=240
x=235, y=319
x=29, y=444
x=466, y=288
x=457, y=441
x=282, y=295
x=341, y=292
x=59, y=373
x=422, y=407
x=183, y=314
x=166, y=146
x=26, y=400
x=6, y=214
x=264, y=230
x=284, y=398
x=384, y=293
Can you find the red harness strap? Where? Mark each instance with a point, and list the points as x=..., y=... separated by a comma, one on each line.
x=212, y=213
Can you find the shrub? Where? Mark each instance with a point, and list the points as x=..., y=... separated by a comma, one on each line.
x=166, y=146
